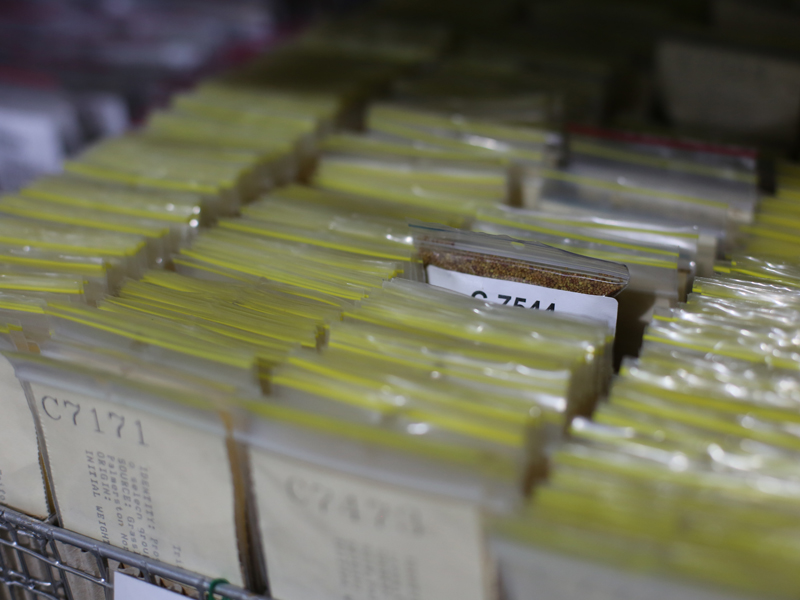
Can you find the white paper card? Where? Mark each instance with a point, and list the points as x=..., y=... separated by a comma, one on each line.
x=140, y=482
x=332, y=536
x=130, y=588
x=730, y=90
x=21, y=481
x=526, y=296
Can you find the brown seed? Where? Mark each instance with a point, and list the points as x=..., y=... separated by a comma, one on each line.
x=521, y=271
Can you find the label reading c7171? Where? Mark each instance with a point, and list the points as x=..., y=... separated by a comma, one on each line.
x=525, y=295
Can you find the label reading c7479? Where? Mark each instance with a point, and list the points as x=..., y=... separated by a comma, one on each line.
x=524, y=295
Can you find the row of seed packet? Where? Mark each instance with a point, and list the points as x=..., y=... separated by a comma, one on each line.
x=341, y=230
x=422, y=157
x=47, y=254
x=140, y=388
x=133, y=404
x=665, y=180
x=331, y=63
x=44, y=262
x=684, y=483
x=368, y=377
x=425, y=411
x=165, y=334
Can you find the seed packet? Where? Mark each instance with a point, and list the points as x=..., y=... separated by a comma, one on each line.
x=760, y=291
x=128, y=249
x=493, y=267
x=324, y=108
x=419, y=480
x=457, y=131
x=108, y=446
x=342, y=273
x=270, y=152
x=329, y=200
x=736, y=163
x=159, y=241
x=564, y=191
x=450, y=409
x=581, y=345
x=294, y=214
x=222, y=196
x=736, y=189
x=182, y=213
x=461, y=191
x=100, y=275
x=377, y=246
x=386, y=146
x=545, y=383
x=48, y=286
x=182, y=346
x=691, y=241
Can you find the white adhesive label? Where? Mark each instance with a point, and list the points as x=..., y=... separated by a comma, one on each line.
x=21, y=480
x=526, y=296
x=140, y=482
x=130, y=588
x=331, y=536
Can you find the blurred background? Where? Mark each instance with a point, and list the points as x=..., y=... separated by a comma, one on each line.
x=73, y=71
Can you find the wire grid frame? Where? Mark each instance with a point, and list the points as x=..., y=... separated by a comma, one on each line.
x=33, y=564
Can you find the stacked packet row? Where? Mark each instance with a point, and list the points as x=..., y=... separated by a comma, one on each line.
x=430, y=158
x=151, y=388
x=431, y=411
x=684, y=483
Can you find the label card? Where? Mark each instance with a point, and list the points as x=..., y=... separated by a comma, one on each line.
x=140, y=482
x=130, y=588
x=731, y=90
x=526, y=296
x=333, y=536
x=21, y=481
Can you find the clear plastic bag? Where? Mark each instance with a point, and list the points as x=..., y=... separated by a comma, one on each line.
x=502, y=257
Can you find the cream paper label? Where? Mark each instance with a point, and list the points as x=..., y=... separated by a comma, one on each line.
x=21, y=481
x=140, y=482
x=526, y=296
x=331, y=536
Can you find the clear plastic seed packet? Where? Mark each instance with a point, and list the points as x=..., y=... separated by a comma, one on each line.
x=520, y=273
x=160, y=243
x=429, y=494
x=124, y=458
x=182, y=213
x=458, y=131
x=563, y=191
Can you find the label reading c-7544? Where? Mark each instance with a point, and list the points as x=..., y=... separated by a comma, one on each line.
x=524, y=295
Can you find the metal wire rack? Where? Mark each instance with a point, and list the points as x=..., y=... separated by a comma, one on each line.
x=38, y=559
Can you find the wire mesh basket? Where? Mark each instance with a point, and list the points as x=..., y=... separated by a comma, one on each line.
x=38, y=559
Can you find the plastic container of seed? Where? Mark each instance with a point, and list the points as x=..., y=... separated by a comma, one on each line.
x=503, y=257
